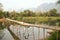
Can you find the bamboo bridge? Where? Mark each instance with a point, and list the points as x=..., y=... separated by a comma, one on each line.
x=9, y=22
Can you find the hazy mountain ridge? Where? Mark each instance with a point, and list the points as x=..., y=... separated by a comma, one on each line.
x=47, y=7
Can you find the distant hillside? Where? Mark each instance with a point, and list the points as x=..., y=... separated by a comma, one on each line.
x=47, y=7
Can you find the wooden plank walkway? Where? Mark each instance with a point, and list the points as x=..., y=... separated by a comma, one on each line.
x=13, y=35
x=34, y=25
x=7, y=35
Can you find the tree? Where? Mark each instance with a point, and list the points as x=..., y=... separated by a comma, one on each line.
x=1, y=12
x=52, y=12
x=58, y=2
x=27, y=13
x=13, y=14
x=6, y=14
x=1, y=6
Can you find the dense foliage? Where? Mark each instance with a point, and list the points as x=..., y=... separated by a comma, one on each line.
x=54, y=36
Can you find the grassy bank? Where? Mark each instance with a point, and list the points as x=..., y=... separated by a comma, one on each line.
x=37, y=19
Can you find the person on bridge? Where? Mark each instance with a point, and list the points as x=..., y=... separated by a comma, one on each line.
x=26, y=36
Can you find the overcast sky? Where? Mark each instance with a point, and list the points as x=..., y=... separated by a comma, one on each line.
x=23, y=4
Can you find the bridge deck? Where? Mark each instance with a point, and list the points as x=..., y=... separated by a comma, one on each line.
x=7, y=37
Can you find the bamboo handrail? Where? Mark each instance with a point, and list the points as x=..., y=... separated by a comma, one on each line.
x=34, y=25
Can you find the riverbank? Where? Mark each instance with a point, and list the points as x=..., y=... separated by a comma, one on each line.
x=39, y=20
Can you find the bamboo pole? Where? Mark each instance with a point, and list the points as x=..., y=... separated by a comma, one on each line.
x=38, y=33
x=33, y=25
